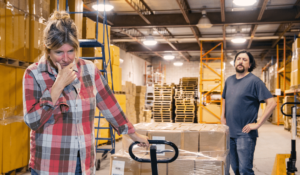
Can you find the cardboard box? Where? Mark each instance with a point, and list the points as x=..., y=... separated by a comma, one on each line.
x=2, y=29
x=36, y=39
x=190, y=141
x=88, y=28
x=146, y=167
x=287, y=108
x=182, y=165
x=169, y=135
x=209, y=166
x=124, y=165
x=115, y=55
x=212, y=138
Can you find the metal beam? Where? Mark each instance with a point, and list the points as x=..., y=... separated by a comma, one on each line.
x=222, y=3
x=254, y=27
x=297, y=5
x=287, y=27
x=262, y=10
x=141, y=8
x=193, y=47
x=183, y=5
x=224, y=36
x=86, y=8
x=184, y=8
x=272, y=16
x=172, y=45
x=134, y=34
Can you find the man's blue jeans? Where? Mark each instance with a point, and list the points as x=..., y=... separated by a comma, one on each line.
x=241, y=155
x=78, y=170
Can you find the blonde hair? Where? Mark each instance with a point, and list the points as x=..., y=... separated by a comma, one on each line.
x=60, y=30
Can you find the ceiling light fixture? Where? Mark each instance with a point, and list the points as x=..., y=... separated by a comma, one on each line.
x=150, y=41
x=169, y=57
x=204, y=22
x=238, y=38
x=178, y=64
x=244, y=2
x=101, y=7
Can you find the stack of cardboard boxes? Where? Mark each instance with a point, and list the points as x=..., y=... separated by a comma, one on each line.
x=202, y=150
x=147, y=116
x=140, y=103
x=295, y=73
x=130, y=90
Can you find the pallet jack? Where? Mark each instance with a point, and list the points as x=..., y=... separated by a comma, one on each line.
x=153, y=151
x=291, y=164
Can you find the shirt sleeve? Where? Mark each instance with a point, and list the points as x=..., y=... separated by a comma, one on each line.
x=37, y=105
x=262, y=92
x=110, y=108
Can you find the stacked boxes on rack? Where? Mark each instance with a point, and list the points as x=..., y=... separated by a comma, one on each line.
x=185, y=99
x=295, y=73
x=140, y=103
x=202, y=150
x=162, y=105
x=130, y=90
x=147, y=116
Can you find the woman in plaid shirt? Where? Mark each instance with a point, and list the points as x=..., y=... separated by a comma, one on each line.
x=61, y=92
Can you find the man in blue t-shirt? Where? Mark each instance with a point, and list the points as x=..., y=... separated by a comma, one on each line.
x=242, y=95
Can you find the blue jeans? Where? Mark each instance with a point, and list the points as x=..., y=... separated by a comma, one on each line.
x=241, y=155
x=77, y=171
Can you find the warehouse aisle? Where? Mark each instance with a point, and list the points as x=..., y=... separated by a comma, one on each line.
x=272, y=140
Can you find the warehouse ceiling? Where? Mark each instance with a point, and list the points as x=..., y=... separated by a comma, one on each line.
x=173, y=25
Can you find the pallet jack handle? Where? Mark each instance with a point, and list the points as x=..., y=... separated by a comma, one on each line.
x=153, y=151
x=291, y=164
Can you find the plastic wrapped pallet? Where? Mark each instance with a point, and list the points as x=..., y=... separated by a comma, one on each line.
x=203, y=149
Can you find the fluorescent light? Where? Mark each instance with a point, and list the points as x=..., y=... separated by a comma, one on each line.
x=178, y=64
x=100, y=7
x=150, y=41
x=169, y=57
x=238, y=40
x=121, y=60
x=204, y=22
x=244, y=2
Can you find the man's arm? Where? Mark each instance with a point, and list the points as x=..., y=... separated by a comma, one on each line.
x=223, y=118
x=271, y=104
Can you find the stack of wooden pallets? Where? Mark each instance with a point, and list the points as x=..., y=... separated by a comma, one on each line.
x=185, y=108
x=162, y=106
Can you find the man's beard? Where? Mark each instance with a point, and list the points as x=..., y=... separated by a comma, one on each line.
x=239, y=70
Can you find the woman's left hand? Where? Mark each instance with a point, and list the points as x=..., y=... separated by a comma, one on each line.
x=140, y=138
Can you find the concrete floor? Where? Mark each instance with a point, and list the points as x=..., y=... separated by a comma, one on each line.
x=272, y=140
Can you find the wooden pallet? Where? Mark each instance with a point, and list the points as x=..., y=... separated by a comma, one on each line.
x=162, y=98
x=14, y=63
x=162, y=112
x=185, y=107
x=18, y=171
x=120, y=92
x=184, y=112
x=185, y=88
x=184, y=119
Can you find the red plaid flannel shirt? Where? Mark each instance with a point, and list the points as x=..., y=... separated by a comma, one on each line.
x=60, y=130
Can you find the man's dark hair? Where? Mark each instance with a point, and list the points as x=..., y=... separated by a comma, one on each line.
x=251, y=60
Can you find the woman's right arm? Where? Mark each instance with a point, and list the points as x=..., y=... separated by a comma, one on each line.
x=37, y=105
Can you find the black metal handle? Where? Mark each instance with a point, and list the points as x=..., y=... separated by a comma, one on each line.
x=289, y=103
x=155, y=142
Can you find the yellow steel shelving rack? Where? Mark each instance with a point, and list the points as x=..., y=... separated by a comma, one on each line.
x=201, y=80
